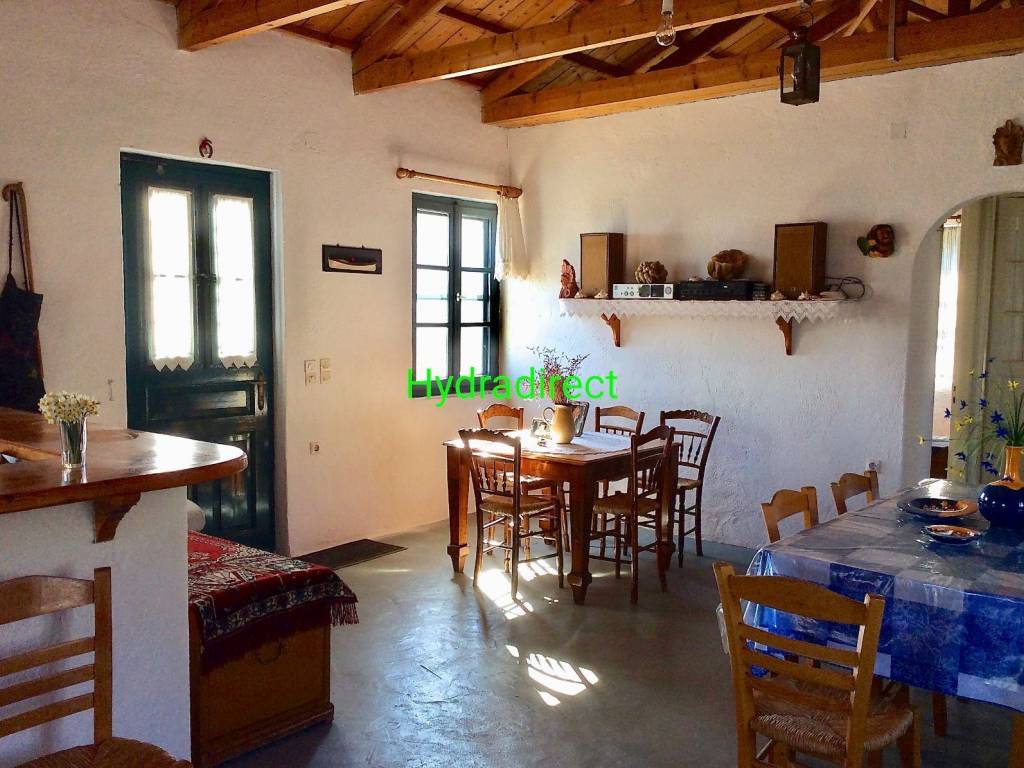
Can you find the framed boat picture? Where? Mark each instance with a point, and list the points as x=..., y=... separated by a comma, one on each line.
x=346, y=258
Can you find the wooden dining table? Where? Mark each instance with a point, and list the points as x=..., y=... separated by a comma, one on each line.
x=583, y=470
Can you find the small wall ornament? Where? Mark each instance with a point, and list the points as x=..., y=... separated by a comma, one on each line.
x=651, y=272
x=569, y=286
x=879, y=243
x=1008, y=141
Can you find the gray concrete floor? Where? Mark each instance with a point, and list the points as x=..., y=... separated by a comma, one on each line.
x=438, y=673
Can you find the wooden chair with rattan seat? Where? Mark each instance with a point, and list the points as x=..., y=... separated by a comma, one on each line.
x=787, y=503
x=513, y=419
x=32, y=596
x=852, y=484
x=807, y=698
x=695, y=432
x=495, y=462
x=624, y=422
x=640, y=506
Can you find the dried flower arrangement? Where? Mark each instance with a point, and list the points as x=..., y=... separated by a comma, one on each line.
x=67, y=406
x=560, y=365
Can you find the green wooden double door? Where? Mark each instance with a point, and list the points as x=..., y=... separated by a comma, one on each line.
x=199, y=324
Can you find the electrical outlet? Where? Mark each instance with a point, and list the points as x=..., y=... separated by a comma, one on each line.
x=325, y=370
x=311, y=371
x=314, y=447
x=875, y=464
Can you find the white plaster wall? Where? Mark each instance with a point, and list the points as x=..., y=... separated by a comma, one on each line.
x=83, y=79
x=148, y=565
x=684, y=182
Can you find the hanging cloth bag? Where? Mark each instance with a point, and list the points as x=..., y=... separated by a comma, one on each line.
x=21, y=376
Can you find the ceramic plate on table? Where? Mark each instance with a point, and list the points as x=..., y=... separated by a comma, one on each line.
x=952, y=534
x=937, y=508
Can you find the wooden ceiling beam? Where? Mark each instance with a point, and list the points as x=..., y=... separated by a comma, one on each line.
x=591, y=28
x=987, y=5
x=409, y=22
x=995, y=33
x=834, y=21
x=202, y=23
x=866, y=6
x=924, y=12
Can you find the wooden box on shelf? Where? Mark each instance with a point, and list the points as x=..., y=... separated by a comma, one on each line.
x=800, y=258
x=602, y=261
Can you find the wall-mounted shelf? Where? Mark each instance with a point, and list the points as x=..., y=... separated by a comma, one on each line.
x=783, y=313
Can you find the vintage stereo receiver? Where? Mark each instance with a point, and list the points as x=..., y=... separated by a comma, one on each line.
x=715, y=290
x=642, y=291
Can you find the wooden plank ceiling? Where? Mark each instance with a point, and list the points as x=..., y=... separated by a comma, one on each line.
x=539, y=61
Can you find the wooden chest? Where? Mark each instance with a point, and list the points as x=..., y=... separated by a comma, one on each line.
x=272, y=689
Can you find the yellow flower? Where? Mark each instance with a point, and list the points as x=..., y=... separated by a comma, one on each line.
x=968, y=420
x=920, y=439
x=1013, y=383
x=959, y=426
x=970, y=372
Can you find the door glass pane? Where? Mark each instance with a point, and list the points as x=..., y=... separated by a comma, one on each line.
x=169, y=267
x=234, y=269
x=432, y=296
x=471, y=350
x=432, y=238
x=431, y=352
x=472, y=292
x=474, y=235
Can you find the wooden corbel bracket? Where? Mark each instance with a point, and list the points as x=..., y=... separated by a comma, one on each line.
x=108, y=513
x=615, y=324
x=786, y=326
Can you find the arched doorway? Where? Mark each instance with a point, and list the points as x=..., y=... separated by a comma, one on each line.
x=968, y=334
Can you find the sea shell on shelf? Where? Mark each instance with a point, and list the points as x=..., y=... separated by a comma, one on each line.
x=601, y=295
x=778, y=296
x=728, y=265
x=651, y=272
x=580, y=295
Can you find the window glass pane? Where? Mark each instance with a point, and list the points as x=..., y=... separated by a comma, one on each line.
x=234, y=269
x=431, y=296
x=432, y=238
x=169, y=264
x=431, y=352
x=471, y=350
x=473, y=297
x=474, y=238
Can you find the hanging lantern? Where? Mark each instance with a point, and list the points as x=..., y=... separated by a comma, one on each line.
x=799, y=69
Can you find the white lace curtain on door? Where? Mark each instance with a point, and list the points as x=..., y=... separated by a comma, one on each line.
x=511, y=257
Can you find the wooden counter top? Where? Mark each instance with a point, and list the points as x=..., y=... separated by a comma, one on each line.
x=120, y=465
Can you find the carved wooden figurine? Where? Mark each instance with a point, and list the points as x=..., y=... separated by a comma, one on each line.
x=569, y=286
x=1008, y=141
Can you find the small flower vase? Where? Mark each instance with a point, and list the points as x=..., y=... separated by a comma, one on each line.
x=73, y=438
x=1002, y=502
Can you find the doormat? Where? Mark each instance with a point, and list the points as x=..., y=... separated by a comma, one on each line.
x=354, y=552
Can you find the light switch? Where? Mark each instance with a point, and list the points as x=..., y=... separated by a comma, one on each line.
x=325, y=370
x=311, y=371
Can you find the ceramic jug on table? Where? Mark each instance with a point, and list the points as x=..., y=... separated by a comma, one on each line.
x=560, y=423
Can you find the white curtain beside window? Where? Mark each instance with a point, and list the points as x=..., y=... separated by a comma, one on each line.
x=511, y=259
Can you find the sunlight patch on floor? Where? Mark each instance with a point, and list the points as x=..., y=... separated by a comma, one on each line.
x=554, y=676
x=497, y=588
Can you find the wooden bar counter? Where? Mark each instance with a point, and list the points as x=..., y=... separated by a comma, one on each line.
x=120, y=466
x=62, y=523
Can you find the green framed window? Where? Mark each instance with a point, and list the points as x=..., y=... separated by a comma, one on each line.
x=456, y=300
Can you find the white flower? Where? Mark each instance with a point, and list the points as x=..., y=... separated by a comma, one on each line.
x=67, y=406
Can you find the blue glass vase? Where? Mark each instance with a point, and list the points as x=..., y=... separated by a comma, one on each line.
x=1002, y=502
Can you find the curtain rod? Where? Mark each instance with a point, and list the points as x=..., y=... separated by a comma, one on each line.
x=500, y=189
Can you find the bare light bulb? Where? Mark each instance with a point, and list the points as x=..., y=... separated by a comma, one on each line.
x=666, y=34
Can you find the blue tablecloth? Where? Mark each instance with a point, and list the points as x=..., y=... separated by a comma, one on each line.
x=954, y=615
